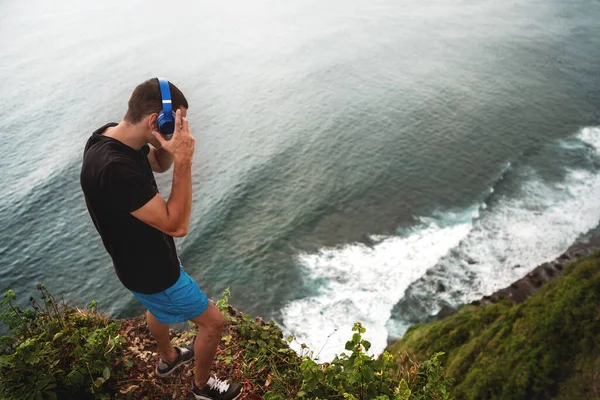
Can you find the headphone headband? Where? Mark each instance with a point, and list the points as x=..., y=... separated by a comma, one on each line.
x=166, y=119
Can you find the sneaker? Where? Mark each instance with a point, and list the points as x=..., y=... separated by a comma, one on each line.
x=216, y=389
x=185, y=355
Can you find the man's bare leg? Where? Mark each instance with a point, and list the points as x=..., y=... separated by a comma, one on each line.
x=160, y=333
x=210, y=329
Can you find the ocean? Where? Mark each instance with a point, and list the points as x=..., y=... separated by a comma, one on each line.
x=355, y=160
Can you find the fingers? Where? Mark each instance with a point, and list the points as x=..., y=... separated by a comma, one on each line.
x=159, y=137
x=185, y=125
x=177, y=121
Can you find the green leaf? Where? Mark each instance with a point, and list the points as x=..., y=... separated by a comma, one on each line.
x=403, y=391
x=290, y=339
x=106, y=373
x=226, y=339
x=366, y=345
x=6, y=361
x=349, y=345
x=78, y=351
x=367, y=373
x=57, y=335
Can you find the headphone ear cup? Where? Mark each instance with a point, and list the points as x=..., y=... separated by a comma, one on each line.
x=160, y=121
x=165, y=126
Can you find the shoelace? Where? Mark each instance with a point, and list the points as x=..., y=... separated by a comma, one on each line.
x=183, y=350
x=217, y=384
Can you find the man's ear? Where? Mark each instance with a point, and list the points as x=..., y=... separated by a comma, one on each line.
x=152, y=118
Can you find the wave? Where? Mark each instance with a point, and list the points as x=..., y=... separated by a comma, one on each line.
x=352, y=285
x=451, y=257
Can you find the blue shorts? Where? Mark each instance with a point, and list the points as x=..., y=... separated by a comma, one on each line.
x=179, y=303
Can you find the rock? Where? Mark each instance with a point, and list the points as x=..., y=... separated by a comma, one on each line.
x=550, y=271
x=440, y=287
x=521, y=289
x=445, y=311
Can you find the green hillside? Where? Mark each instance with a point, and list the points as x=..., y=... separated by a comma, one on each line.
x=548, y=347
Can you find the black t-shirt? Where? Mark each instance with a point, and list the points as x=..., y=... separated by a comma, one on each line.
x=116, y=180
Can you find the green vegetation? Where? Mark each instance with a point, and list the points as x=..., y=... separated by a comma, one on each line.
x=276, y=372
x=545, y=348
x=56, y=351
x=60, y=352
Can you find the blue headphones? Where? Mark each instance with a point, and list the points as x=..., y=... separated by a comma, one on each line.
x=166, y=119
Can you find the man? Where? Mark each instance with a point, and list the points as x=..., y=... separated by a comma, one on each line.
x=137, y=227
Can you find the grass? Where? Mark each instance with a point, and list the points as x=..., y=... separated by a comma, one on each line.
x=548, y=347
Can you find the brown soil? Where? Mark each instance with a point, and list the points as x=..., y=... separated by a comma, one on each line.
x=139, y=381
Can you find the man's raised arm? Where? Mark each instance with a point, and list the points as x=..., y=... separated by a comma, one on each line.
x=173, y=216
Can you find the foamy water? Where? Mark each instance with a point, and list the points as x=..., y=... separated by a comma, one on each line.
x=363, y=284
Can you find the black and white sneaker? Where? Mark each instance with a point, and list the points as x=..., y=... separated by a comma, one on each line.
x=216, y=389
x=185, y=355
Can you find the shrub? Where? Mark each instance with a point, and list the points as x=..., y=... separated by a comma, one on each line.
x=60, y=352
x=358, y=376
x=55, y=351
x=279, y=373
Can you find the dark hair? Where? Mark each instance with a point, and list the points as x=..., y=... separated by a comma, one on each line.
x=146, y=99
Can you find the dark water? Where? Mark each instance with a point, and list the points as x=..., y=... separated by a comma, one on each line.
x=351, y=156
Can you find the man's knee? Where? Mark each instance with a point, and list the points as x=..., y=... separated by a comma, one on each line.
x=219, y=323
x=217, y=320
x=211, y=320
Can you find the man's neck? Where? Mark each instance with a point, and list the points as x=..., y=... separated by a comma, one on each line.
x=128, y=134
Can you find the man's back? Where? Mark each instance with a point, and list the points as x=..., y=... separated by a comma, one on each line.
x=116, y=180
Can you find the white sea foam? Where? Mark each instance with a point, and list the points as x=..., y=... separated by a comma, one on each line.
x=361, y=283
x=591, y=135
x=523, y=231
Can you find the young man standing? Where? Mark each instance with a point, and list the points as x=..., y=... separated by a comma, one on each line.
x=137, y=227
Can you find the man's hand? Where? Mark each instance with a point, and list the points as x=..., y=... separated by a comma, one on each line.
x=182, y=144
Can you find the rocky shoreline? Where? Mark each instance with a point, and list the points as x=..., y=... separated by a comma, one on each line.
x=521, y=289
